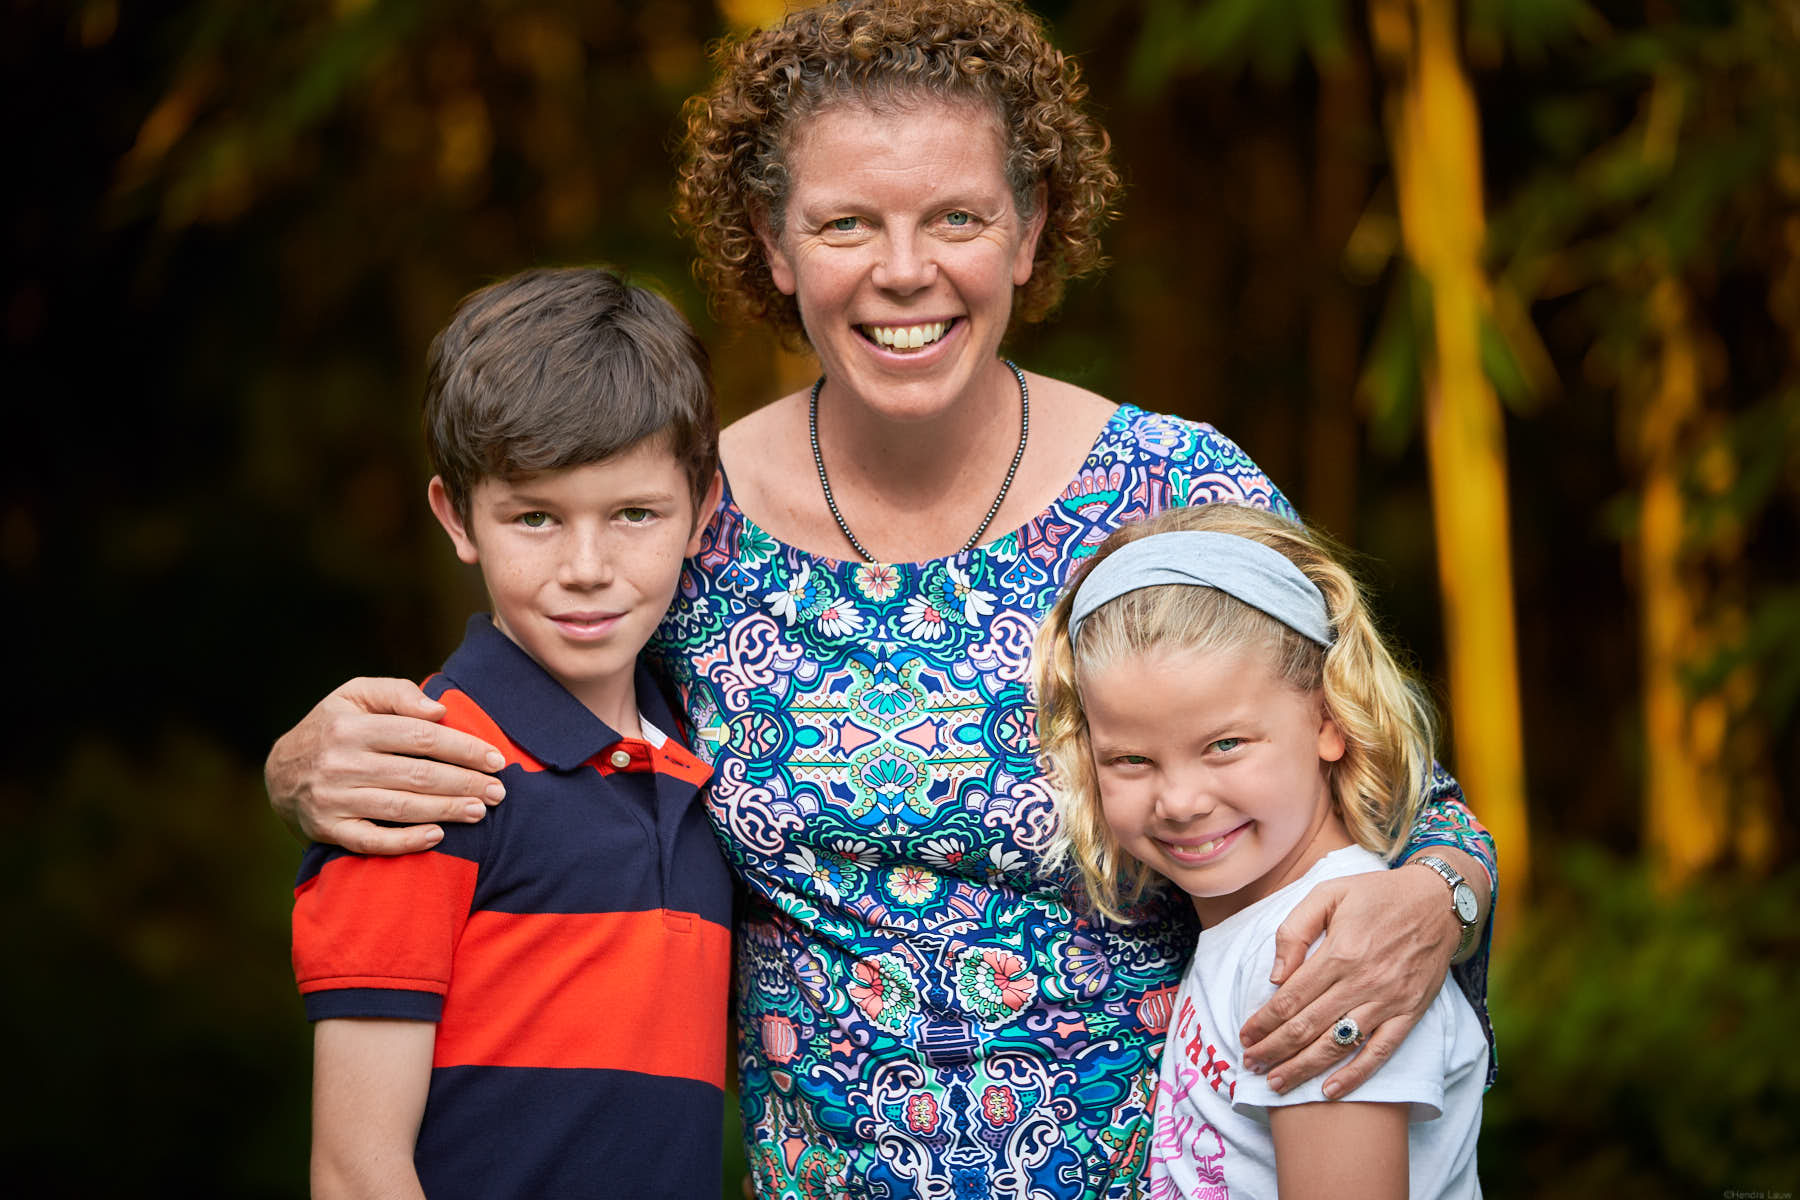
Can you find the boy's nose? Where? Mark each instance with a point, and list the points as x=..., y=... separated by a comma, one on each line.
x=587, y=565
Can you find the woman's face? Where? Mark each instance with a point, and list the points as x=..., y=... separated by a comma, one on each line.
x=901, y=245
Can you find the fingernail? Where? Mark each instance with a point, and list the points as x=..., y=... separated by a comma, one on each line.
x=1333, y=1090
x=1276, y=1083
x=432, y=838
x=474, y=811
x=496, y=791
x=495, y=760
x=1255, y=1066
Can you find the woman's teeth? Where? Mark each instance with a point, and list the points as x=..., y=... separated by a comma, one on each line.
x=905, y=337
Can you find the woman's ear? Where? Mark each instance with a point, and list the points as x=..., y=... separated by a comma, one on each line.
x=781, y=268
x=1028, y=238
x=445, y=511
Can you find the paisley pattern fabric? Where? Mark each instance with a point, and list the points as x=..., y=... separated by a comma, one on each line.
x=920, y=1013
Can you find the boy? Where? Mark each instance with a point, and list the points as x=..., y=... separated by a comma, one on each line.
x=536, y=1006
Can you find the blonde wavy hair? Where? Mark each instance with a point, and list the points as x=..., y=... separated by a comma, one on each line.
x=1384, y=715
x=888, y=53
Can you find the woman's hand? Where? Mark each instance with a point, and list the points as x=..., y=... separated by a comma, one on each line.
x=1388, y=940
x=373, y=750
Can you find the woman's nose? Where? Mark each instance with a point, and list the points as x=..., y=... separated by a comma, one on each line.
x=906, y=264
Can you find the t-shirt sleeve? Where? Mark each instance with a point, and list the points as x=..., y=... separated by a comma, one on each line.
x=374, y=936
x=1413, y=1076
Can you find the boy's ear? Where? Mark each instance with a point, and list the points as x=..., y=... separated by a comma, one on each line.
x=781, y=269
x=445, y=511
x=703, y=515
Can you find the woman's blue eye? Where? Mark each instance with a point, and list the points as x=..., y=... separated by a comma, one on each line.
x=844, y=225
x=534, y=520
x=957, y=218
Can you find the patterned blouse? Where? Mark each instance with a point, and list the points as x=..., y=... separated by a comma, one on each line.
x=920, y=1012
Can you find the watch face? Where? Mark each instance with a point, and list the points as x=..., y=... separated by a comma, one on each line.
x=1462, y=897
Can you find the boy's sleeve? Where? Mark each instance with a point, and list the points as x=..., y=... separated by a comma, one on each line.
x=1445, y=820
x=374, y=936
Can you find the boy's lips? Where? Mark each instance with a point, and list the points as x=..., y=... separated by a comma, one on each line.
x=1196, y=851
x=584, y=626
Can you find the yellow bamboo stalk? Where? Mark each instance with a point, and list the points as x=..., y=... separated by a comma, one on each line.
x=1435, y=136
x=1686, y=825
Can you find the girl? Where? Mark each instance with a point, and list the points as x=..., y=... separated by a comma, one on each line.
x=1219, y=711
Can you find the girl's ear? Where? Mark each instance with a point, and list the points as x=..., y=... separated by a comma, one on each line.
x=1331, y=738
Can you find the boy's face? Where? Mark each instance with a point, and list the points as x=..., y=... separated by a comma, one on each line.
x=581, y=563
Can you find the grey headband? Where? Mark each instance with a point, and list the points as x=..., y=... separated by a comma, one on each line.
x=1260, y=576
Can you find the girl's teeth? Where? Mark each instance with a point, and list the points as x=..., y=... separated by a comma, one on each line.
x=906, y=337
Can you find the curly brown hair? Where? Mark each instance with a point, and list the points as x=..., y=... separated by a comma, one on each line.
x=888, y=51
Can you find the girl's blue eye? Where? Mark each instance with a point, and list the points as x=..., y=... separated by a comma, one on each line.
x=1131, y=760
x=1227, y=745
x=534, y=520
x=958, y=218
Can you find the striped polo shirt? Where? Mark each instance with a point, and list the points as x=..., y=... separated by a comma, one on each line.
x=573, y=948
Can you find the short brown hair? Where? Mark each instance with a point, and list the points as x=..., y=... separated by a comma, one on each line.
x=561, y=367
x=882, y=52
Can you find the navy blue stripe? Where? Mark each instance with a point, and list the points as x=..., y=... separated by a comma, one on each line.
x=374, y=1003
x=496, y=1132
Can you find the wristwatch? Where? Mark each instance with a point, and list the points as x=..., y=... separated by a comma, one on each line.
x=1462, y=901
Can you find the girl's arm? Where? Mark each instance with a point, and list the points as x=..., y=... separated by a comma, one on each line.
x=370, y=1079
x=1345, y=1151
x=1388, y=939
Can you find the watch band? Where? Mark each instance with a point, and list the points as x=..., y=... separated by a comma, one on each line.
x=1454, y=879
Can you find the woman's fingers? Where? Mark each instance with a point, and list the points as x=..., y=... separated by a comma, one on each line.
x=1380, y=1046
x=373, y=751
x=364, y=837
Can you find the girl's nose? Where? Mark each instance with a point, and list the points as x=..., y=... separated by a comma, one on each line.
x=1181, y=800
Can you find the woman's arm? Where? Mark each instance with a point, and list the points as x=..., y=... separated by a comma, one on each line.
x=1388, y=940
x=1346, y=1151
x=370, y=1080
x=373, y=750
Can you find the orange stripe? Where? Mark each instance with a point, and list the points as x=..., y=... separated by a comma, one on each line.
x=624, y=991
x=396, y=916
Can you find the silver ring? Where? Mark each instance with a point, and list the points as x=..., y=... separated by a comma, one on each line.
x=1347, y=1032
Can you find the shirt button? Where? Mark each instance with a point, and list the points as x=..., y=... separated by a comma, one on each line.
x=621, y=759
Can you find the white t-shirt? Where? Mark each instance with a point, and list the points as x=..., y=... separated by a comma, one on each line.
x=1212, y=1138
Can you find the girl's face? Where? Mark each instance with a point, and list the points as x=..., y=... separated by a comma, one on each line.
x=1212, y=772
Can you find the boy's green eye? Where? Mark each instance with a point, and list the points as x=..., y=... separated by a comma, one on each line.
x=635, y=516
x=534, y=520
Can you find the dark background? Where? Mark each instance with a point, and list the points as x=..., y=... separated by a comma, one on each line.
x=233, y=228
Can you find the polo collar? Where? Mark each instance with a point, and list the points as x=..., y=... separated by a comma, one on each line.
x=536, y=712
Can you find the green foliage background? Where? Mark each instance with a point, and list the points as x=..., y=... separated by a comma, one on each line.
x=233, y=228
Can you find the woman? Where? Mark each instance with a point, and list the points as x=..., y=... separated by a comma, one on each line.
x=920, y=1012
